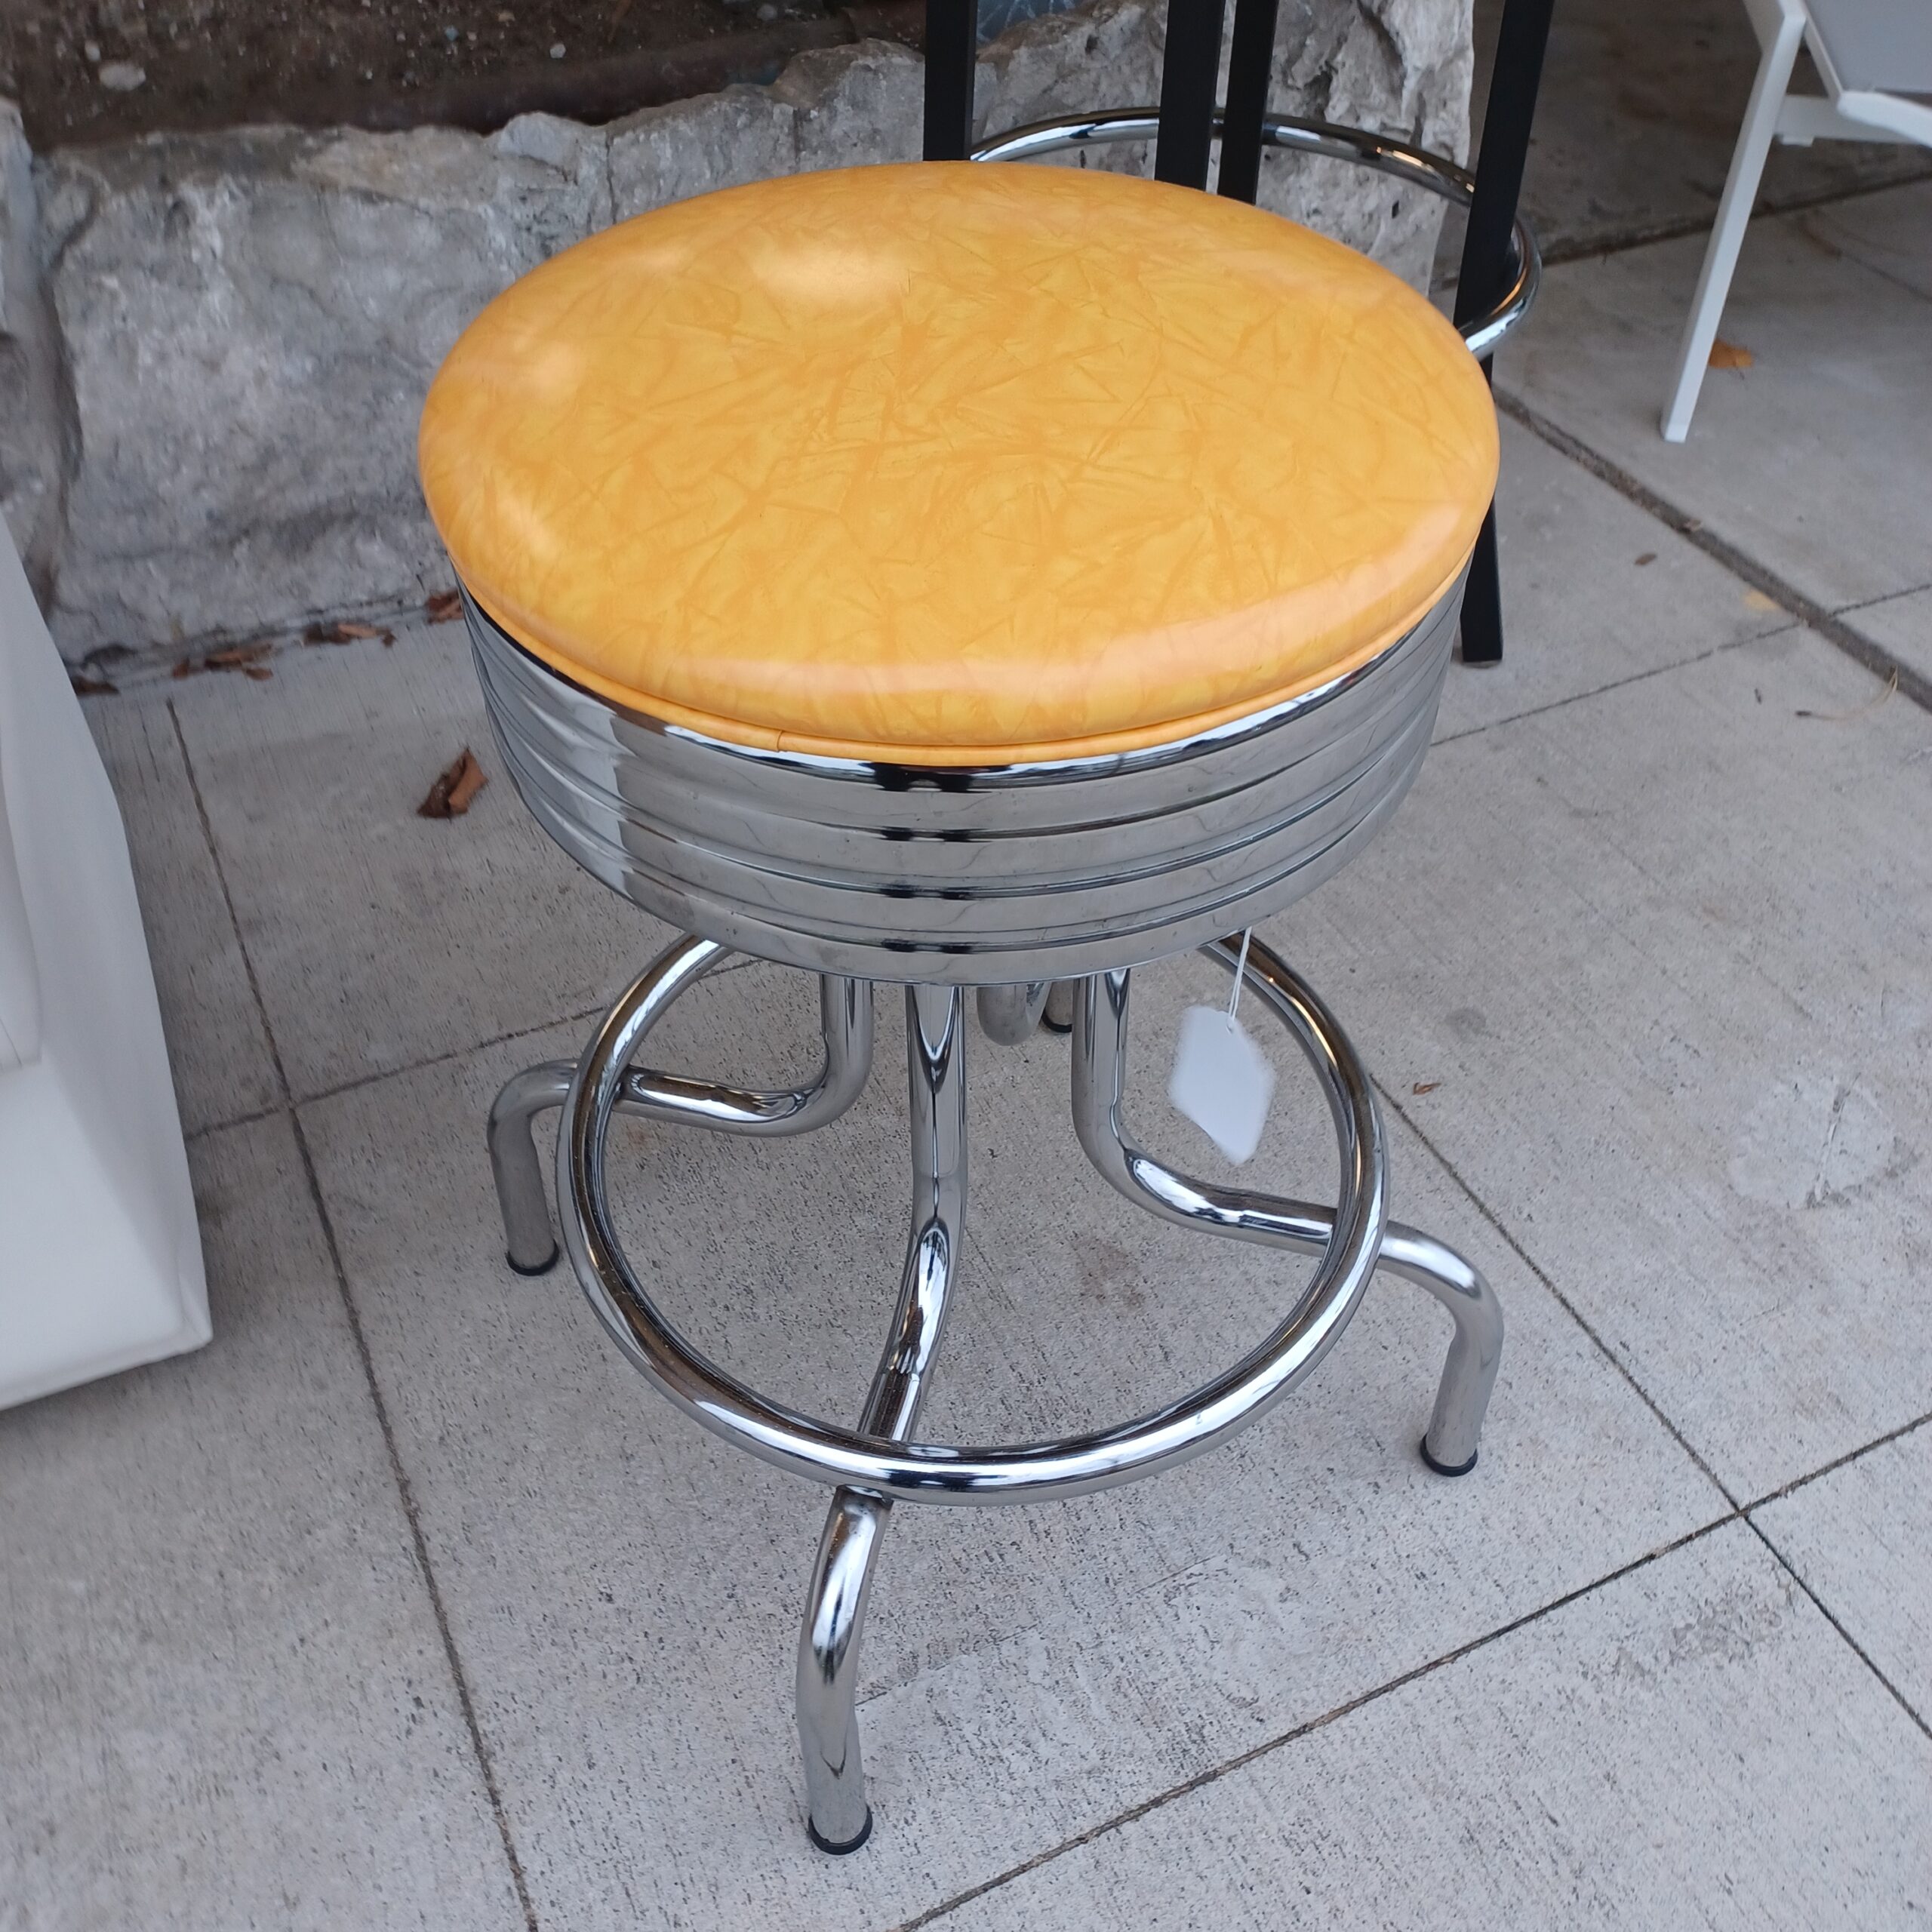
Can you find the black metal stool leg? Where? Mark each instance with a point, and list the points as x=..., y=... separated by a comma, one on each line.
x=1514, y=81
x=1482, y=599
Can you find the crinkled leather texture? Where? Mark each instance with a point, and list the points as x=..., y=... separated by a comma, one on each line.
x=951, y=463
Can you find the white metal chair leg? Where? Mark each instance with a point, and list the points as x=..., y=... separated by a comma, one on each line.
x=1785, y=35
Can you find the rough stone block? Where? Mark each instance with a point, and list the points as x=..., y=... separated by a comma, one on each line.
x=691, y=147
x=30, y=465
x=1400, y=66
x=830, y=108
x=250, y=320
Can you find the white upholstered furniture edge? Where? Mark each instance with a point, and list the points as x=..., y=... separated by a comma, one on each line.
x=100, y=1257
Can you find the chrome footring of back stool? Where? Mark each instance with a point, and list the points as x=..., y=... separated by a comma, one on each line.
x=878, y=1462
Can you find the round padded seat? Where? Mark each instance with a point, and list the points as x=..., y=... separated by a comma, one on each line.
x=958, y=465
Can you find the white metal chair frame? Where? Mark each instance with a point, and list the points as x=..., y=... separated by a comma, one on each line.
x=1844, y=112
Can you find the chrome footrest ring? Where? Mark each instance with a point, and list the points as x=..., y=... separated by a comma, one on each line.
x=937, y=1472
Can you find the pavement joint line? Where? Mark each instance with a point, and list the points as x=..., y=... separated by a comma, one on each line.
x=1837, y=1463
x=399, y=1475
x=362, y=1080
x=443, y=1059
x=1562, y=1300
x=406, y=1494
x=1885, y=274
x=1739, y=1511
x=1890, y=597
x=1621, y=241
x=1851, y=1643
x=1214, y=1774
x=1601, y=691
x=274, y=1111
x=1882, y=663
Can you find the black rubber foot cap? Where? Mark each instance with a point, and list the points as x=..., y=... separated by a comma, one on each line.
x=851, y=1845
x=1446, y=1469
x=1053, y=1027
x=542, y=1267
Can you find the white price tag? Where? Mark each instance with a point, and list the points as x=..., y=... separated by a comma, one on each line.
x=1221, y=1080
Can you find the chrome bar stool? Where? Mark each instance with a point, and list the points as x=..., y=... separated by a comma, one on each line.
x=985, y=579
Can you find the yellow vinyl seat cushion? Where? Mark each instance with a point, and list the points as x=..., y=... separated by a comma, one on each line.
x=951, y=463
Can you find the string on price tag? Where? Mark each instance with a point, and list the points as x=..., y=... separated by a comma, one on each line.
x=1221, y=1080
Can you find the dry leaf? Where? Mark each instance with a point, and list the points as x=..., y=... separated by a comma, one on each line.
x=470, y=782
x=256, y=671
x=87, y=686
x=1425, y=1086
x=1756, y=600
x=443, y=607
x=455, y=785
x=1648, y=557
x=345, y=630
x=1730, y=355
x=236, y=657
x=186, y=668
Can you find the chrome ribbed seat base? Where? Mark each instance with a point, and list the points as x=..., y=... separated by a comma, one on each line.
x=968, y=875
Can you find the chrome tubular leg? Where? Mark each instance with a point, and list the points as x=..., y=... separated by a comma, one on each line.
x=845, y=1023
x=1475, y=1351
x=531, y=1246
x=1009, y=1015
x=1100, y=1075
x=838, y=1819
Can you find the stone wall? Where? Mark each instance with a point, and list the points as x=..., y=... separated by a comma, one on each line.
x=212, y=347
x=34, y=452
